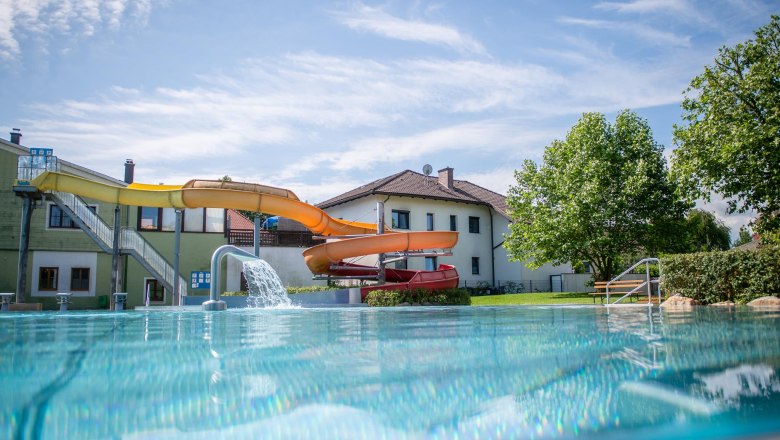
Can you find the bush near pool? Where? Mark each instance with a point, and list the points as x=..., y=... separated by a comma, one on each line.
x=444, y=297
x=735, y=275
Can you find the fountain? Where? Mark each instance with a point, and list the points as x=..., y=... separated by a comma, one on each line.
x=265, y=287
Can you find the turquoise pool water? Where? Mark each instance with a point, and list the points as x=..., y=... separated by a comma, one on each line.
x=468, y=372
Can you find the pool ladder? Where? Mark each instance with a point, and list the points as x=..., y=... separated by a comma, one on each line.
x=648, y=283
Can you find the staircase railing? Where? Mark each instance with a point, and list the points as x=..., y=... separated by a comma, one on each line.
x=131, y=242
x=647, y=284
x=134, y=243
x=85, y=218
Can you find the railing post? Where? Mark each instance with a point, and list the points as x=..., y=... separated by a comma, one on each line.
x=176, y=300
x=380, y=229
x=24, y=243
x=647, y=280
x=115, y=255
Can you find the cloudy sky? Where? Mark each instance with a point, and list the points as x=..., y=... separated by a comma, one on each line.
x=321, y=97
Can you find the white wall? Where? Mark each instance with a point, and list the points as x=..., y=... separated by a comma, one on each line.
x=64, y=261
x=286, y=261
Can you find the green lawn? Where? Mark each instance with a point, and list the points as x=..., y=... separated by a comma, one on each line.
x=533, y=298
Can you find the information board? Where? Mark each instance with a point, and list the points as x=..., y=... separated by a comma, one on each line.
x=200, y=280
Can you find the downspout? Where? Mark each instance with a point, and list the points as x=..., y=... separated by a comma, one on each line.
x=492, y=249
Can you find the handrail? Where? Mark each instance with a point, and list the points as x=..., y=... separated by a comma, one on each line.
x=130, y=240
x=648, y=281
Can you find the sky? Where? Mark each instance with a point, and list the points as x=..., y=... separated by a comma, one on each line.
x=322, y=97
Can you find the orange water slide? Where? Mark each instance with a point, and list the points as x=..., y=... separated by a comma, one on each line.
x=258, y=198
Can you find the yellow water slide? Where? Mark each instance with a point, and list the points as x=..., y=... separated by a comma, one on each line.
x=257, y=198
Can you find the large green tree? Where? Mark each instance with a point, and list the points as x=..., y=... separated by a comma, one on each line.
x=600, y=194
x=706, y=233
x=730, y=143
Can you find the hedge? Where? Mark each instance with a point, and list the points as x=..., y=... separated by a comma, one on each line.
x=735, y=275
x=443, y=297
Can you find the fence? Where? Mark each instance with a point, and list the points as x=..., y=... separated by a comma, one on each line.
x=477, y=288
x=245, y=237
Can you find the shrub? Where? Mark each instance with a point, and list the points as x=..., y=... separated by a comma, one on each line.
x=383, y=298
x=309, y=289
x=239, y=293
x=390, y=298
x=736, y=275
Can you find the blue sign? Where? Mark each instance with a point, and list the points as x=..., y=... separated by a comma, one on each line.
x=200, y=280
x=41, y=151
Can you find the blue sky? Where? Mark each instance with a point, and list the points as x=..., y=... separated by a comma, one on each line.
x=321, y=97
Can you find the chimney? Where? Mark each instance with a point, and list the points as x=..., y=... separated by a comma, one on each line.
x=445, y=178
x=129, y=171
x=16, y=136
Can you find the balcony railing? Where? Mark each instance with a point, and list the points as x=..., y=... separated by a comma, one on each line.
x=245, y=237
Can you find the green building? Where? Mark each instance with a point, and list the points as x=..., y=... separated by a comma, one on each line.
x=70, y=247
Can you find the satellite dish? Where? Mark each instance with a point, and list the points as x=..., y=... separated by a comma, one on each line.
x=427, y=169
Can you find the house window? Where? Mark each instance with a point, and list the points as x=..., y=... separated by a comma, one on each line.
x=400, y=219
x=215, y=220
x=429, y=221
x=47, y=278
x=155, y=289
x=430, y=263
x=79, y=279
x=168, y=219
x=474, y=225
x=193, y=220
x=59, y=219
x=453, y=223
x=402, y=264
x=475, y=265
x=148, y=219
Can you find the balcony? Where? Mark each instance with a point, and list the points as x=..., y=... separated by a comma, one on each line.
x=245, y=237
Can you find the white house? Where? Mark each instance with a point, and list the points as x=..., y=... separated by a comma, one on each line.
x=417, y=202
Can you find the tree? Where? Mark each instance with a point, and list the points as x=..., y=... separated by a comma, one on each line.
x=600, y=194
x=731, y=143
x=706, y=232
x=745, y=236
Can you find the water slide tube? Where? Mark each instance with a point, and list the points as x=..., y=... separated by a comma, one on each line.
x=282, y=202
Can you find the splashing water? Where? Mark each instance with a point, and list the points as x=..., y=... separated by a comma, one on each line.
x=265, y=287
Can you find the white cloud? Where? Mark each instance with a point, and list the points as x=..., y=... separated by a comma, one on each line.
x=379, y=22
x=267, y=114
x=642, y=6
x=46, y=20
x=647, y=33
x=680, y=10
x=497, y=180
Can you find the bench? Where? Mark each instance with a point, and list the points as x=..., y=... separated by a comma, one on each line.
x=618, y=288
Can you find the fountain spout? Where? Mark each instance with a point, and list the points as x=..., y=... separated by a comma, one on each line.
x=214, y=303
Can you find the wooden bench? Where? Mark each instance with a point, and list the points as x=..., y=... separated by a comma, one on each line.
x=618, y=288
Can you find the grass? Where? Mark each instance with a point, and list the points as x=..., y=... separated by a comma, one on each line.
x=533, y=298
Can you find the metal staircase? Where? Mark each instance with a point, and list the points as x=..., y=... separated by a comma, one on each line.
x=130, y=241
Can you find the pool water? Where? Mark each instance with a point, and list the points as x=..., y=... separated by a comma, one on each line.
x=430, y=372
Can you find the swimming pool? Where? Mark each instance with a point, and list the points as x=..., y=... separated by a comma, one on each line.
x=431, y=372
